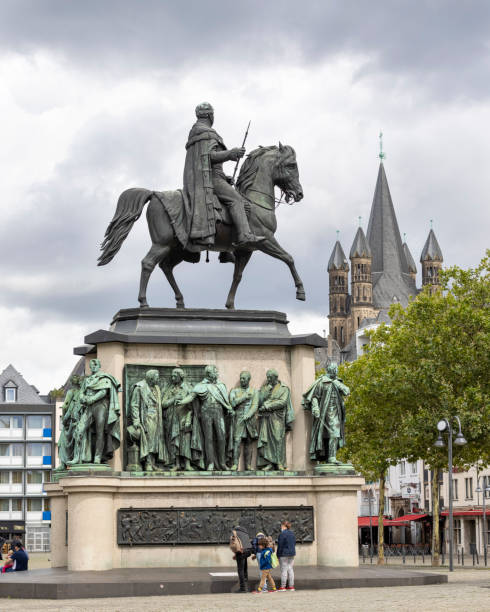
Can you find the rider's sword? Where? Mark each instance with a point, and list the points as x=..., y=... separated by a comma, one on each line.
x=243, y=144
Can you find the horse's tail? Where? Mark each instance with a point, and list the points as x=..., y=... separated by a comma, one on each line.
x=129, y=208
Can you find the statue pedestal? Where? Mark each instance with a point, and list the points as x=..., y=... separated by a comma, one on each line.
x=86, y=525
x=86, y=507
x=232, y=340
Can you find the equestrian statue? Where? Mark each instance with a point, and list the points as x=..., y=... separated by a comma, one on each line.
x=209, y=213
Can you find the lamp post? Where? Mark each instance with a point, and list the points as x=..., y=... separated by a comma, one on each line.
x=483, y=490
x=442, y=425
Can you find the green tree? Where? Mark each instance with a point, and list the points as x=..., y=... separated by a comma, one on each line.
x=431, y=362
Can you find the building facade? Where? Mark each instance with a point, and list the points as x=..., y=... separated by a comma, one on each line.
x=471, y=532
x=26, y=450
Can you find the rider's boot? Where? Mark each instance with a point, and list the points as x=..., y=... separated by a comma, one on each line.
x=240, y=221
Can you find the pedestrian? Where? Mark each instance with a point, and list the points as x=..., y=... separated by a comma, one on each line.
x=265, y=567
x=19, y=558
x=241, y=546
x=257, y=553
x=286, y=551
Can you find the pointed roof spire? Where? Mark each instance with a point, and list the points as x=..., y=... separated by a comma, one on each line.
x=360, y=246
x=390, y=271
x=432, y=250
x=338, y=260
x=408, y=256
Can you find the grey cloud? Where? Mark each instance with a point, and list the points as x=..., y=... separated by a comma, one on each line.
x=442, y=46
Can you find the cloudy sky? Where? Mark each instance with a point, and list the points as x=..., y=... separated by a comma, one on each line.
x=98, y=96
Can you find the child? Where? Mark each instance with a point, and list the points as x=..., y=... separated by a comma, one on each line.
x=8, y=562
x=265, y=565
x=256, y=553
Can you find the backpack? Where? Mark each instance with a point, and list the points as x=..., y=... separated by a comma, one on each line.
x=235, y=542
x=274, y=560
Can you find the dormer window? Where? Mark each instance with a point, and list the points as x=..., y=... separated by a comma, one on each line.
x=10, y=394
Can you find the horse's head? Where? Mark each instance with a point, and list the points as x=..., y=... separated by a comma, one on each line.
x=285, y=173
x=268, y=166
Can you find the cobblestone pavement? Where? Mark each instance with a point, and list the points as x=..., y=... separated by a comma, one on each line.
x=467, y=591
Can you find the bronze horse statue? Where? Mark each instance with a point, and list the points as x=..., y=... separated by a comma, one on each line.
x=263, y=169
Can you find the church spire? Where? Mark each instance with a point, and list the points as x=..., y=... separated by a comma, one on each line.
x=431, y=260
x=391, y=277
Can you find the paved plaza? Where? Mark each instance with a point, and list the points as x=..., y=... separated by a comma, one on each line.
x=468, y=590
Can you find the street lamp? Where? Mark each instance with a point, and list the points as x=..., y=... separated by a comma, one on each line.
x=483, y=489
x=459, y=440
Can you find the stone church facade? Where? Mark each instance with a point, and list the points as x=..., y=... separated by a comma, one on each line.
x=382, y=272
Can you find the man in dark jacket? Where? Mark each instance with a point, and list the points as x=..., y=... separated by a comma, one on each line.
x=286, y=551
x=19, y=557
x=241, y=558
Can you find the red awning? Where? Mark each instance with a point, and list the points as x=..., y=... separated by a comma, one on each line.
x=363, y=521
x=412, y=517
x=465, y=513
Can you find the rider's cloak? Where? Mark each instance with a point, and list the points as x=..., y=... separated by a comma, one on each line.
x=198, y=193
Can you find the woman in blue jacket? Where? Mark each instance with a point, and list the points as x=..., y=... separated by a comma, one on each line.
x=286, y=551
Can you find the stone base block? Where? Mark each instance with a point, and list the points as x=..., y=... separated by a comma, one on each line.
x=333, y=468
x=85, y=509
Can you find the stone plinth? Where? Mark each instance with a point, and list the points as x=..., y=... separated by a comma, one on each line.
x=232, y=340
x=85, y=508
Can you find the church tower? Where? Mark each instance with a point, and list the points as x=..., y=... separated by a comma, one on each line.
x=361, y=283
x=431, y=260
x=338, y=274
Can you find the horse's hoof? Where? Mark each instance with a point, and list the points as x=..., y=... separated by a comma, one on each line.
x=300, y=295
x=180, y=305
x=143, y=304
x=230, y=305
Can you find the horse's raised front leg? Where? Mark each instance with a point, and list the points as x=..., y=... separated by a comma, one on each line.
x=167, y=266
x=241, y=260
x=274, y=249
x=154, y=256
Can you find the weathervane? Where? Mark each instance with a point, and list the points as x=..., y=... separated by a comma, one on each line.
x=338, y=233
x=431, y=224
x=360, y=220
x=382, y=154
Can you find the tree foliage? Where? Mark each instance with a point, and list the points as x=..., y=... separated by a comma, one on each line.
x=432, y=361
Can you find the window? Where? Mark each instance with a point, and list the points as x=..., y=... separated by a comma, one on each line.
x=34, y=477
x=402, y=468
x=35, y=421
x=10, y=394
x=10, y=422
x=486, y=485
x=34, y=449
x=468, y=484
x=16, y=477
x=17, y=450
x=457, y=531
x=47, y=476
x=34, y=504
x=4, y=477
x=17, y=505
x=46, y=504
x=4, y=450
x=4, y=505
x=455, y=488
x=414, y=467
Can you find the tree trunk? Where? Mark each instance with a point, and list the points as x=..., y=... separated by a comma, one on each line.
x=381, y=512
x=436, y=536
